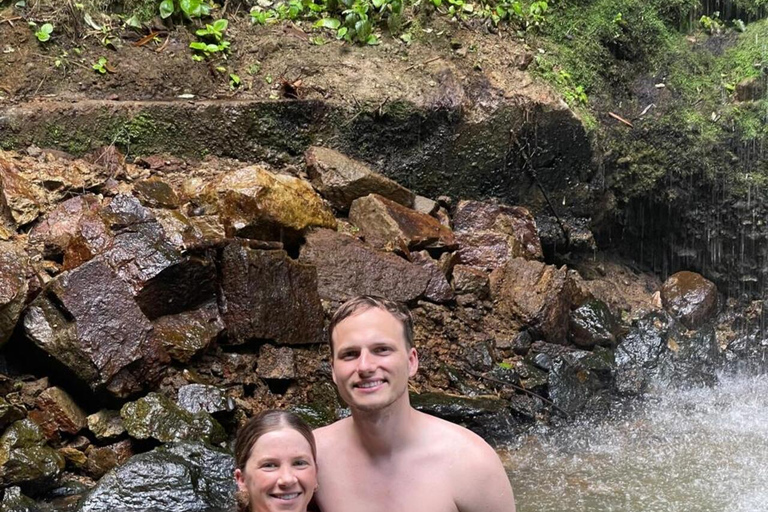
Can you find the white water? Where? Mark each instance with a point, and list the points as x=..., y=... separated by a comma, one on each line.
x=699, y=450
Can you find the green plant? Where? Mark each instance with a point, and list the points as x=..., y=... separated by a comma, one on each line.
x=188, y=8
x=44, y=33
x=213, y=41
x=234, y=81
x=102, y=66
x=711, y=24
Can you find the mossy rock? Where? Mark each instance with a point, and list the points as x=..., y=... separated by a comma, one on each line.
x=25, y=459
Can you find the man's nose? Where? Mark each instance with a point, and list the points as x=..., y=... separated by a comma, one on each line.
x=365, y=363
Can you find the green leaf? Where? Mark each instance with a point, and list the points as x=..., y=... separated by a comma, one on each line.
x=198, y=46
x=133, y=21
x=220, y=25
x=372, y=40
x=166, y=8
x=331, y=23
x=212, y=48
x=46, y=28
x=378, y=3
x=342, y=32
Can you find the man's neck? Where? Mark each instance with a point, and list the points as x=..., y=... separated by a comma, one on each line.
x=383, y=432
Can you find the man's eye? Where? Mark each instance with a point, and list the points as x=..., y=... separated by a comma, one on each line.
x=348, y=356
x=383, y=350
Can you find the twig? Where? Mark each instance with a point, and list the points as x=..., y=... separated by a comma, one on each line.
x=11, y=20
x=433, y=59
x=40, y=85
x=382, y=106
x=164, y=45
x=621, y=119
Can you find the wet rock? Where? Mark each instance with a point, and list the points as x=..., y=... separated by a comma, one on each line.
x=389, y=226
x=346, y=267
x=341, y=180
x=490, y=234
x=60, y=412
x=15, y=269
x=521, y=343
x=9, y=413
x=425, y=205
x=489, y=418
x=276, y=363
x=101, y=459
x=689, y=297
x=438, y=288
x=179, y=230
x=580, y=381
x=105, y=424
x=255, y=203
x=534, y=294
x=195, y=478
x=88, y=320
x=593, y=324
x=751, y=89
x=73, y=457
x=470, y=281
x=209, y=227
x=262, y=289
x=91, y=238
x=155, y=193
x=542, y=361
x=24, y=457
x=202, y=397
x=56, y=230
x=124, y=210
x=21, y=201
x=157, y=417
x=690, y=359
x=531, y=378
x=479, y=357
x=186, y=334
x=637, y=356
x=15, y=501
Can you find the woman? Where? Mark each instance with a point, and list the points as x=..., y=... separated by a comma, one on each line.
x=275, y=463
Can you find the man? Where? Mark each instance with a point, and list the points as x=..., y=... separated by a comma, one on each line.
x=389, y=457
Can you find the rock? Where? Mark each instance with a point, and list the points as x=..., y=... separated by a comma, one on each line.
x=91, y=238
x=157, y=417
x=209, y=227
x=255, y=203
x=479, y=357
x=389, y=226
x=531, y=378
x=425, y=205
x=542, y=361
x=580, y=381
x=105, y=424
x=155, y=193
x=637, y=356
x=109, y=157
x=88, y=320
x=341, y=180
x=186, y=334
x=521, y=343
x=490, y=234
x=267, y=295
x=202, y=397
x=101, y=459
x=179, y=230
x=593, y=324
x=751, y=89
x=690, y=298
x=15, y=501
x=57, y=229
x=15, y=270
x=195, y=478
x=346, y=268
x=534, y=294
x=60, y=411
x=73, y=457
x=470, y=281
x=276, y=363
x=124, y=211
x=21, y=201
x=488, y=417
x=24, y=457
x=438, y=288
x=9, y=413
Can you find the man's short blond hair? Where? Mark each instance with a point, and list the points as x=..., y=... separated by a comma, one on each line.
x=363, y=303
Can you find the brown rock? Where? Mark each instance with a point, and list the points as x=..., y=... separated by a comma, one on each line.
x=15, y=271
x=425, y=205
x=179, y=231
x=88, y=320
x=490, y=234
x=209, y=227
x=341, y=180
x=21, y=201
x=346, y=267
x=185, y=334
x=155, y=193
x=438, y=289
x=102, y=459
x=64, y=413
x=10, y=413
x=108, y=157
x=267, y=295
x=74, y=457
x=91, y=238
x=470, y=281
x=124, y=211
x=751, y=89
x=390, y=226
x=690, y=298
x=533, y=294
x=60, y=225
x=276, y=363
x=106, y=424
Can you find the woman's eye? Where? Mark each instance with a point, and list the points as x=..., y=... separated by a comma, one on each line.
x=301, y=463
x=269, y=465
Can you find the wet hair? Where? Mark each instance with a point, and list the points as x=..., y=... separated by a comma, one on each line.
x=363, y=303
x=264, y=423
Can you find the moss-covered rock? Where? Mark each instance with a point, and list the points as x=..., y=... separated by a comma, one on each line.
x=25, y=459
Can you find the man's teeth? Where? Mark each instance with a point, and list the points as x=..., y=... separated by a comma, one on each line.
x=370, y=384
x=287, y=496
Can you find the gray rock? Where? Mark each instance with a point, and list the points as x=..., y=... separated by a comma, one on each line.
x=15, y=267
x=15, y=501
x=203, y=397
x=195, y=478
x=438, y=289
x=593, y=324
x=580, y=381
x=105, y=424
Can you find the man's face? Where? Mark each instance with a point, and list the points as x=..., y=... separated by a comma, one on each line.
x=371, y=364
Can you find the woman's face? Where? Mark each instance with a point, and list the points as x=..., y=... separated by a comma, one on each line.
x=280, y=473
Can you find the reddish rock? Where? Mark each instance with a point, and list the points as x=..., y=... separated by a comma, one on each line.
x=155, y=193
x=185, y=334
x=108, y=157
x=267, y=295
x=490, y=234
x=123, y=211
x=91, y=238
x=56, y=230
x=276, y=363
x=347, y=267
x=15, y=271
x=438, y=289
x=88, y=320
x=102, y=459
x=534, y=294
x=470, y=281
x=62, y=409
x=690, y=298
x=341, y=180
x=390, y=226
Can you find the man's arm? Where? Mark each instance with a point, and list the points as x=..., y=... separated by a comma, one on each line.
x=482, y=484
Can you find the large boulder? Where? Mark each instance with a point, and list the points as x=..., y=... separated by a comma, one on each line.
x=489, y=234
x=255, y=203
x=341, y=180
x=176, y=478
x=389, y=226
x=690, y=298
x=15, y=271
x=267, y=295
x=25, y=459
x=157, y=417
x=347, y=267
x=534, y=294
x=88, y=320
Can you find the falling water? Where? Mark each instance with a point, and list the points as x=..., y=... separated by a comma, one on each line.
x=702, y=450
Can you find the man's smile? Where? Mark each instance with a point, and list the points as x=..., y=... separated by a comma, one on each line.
x=369, y=384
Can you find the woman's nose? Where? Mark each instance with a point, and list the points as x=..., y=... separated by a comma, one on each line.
x=286, y=477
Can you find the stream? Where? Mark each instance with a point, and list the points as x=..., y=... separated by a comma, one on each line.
x=694, y=450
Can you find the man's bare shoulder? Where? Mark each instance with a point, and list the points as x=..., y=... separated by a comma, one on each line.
x=461, y=441
x=333, y=434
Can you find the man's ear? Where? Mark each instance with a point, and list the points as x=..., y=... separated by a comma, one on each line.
x=413, y=362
